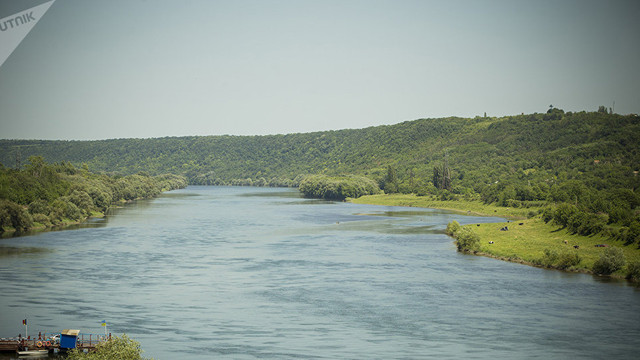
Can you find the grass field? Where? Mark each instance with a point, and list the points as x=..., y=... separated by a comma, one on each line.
x=526, y=239
x=473, y=207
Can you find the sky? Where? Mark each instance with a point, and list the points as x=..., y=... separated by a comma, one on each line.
x=93, y=69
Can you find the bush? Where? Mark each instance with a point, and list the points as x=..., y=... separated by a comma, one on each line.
x=63, y=208
x=15, y=216
x=610, y=261
x=446, y=195
x=549, y=258
x=121, y=348
x=39, y=206
x=42, y=219
x=467, y=239
x=82, y=200
x=631, y=234
x=568, y=259
x=559, y=260
x=633, y=271
x=452, y=228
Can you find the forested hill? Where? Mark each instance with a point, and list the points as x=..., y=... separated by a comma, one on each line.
x=482, y=152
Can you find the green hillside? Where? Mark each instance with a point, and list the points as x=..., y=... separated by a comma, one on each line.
x=586, y=161
x=546, y=147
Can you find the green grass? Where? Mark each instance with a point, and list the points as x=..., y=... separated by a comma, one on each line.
x=521, y=243
x=528, y=241
x=462, y=206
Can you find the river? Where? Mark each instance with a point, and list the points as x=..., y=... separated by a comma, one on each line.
x=247, y=273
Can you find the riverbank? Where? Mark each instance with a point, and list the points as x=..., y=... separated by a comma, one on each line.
x=66, y=223
x=39, y=227
x=461, y=206
x=524, y=241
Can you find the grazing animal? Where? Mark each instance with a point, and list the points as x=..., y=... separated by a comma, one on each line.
x=490, y=242
x=576, y=246
x=566, y=242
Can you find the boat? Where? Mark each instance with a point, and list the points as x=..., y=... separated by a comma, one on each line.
x=33, y=353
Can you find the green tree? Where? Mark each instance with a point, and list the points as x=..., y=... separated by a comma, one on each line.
x=391, y=181
x=437, y=177
x=15, y=216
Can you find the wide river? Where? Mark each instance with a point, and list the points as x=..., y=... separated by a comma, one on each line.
x=246, y=273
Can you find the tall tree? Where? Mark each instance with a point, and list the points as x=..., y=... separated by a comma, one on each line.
x=442, y=175
x=446, y=173
x=391, y=180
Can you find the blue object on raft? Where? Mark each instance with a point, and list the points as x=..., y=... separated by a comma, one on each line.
x=68, y=339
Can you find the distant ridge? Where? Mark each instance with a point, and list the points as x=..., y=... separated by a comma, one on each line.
x=480, y=149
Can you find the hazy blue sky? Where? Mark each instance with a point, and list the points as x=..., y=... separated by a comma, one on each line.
x=115, y=69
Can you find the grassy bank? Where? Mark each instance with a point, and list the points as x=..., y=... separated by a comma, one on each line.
x=527, y=241
x=461, y=206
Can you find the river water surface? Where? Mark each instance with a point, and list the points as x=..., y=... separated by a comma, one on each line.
x=247, y=273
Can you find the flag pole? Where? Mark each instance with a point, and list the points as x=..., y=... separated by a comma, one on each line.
x=104, y=323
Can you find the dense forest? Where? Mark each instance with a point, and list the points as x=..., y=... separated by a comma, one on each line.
x=44, y=195
x=582, y=166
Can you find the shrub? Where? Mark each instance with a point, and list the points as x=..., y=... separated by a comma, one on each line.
x=559, y=260
x=39, y=206
x=42, y=219
x=467, y=239
x=63, y=208
x=547, y=214
x=549, y=258
x=610, y=261
x=82, y=201
x=632, y=233
x=567, y=259
x=14, y=215
x=452, y=228
x=633, y=271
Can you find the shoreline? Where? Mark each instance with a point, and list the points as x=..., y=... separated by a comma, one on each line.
x=12, y=232
x=526, y=239
x=39, y=227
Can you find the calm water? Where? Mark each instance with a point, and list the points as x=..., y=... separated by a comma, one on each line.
x=245, y=273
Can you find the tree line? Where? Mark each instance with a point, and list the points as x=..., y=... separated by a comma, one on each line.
x=42, y=194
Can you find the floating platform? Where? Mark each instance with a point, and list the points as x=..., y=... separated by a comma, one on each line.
x=49, y=342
